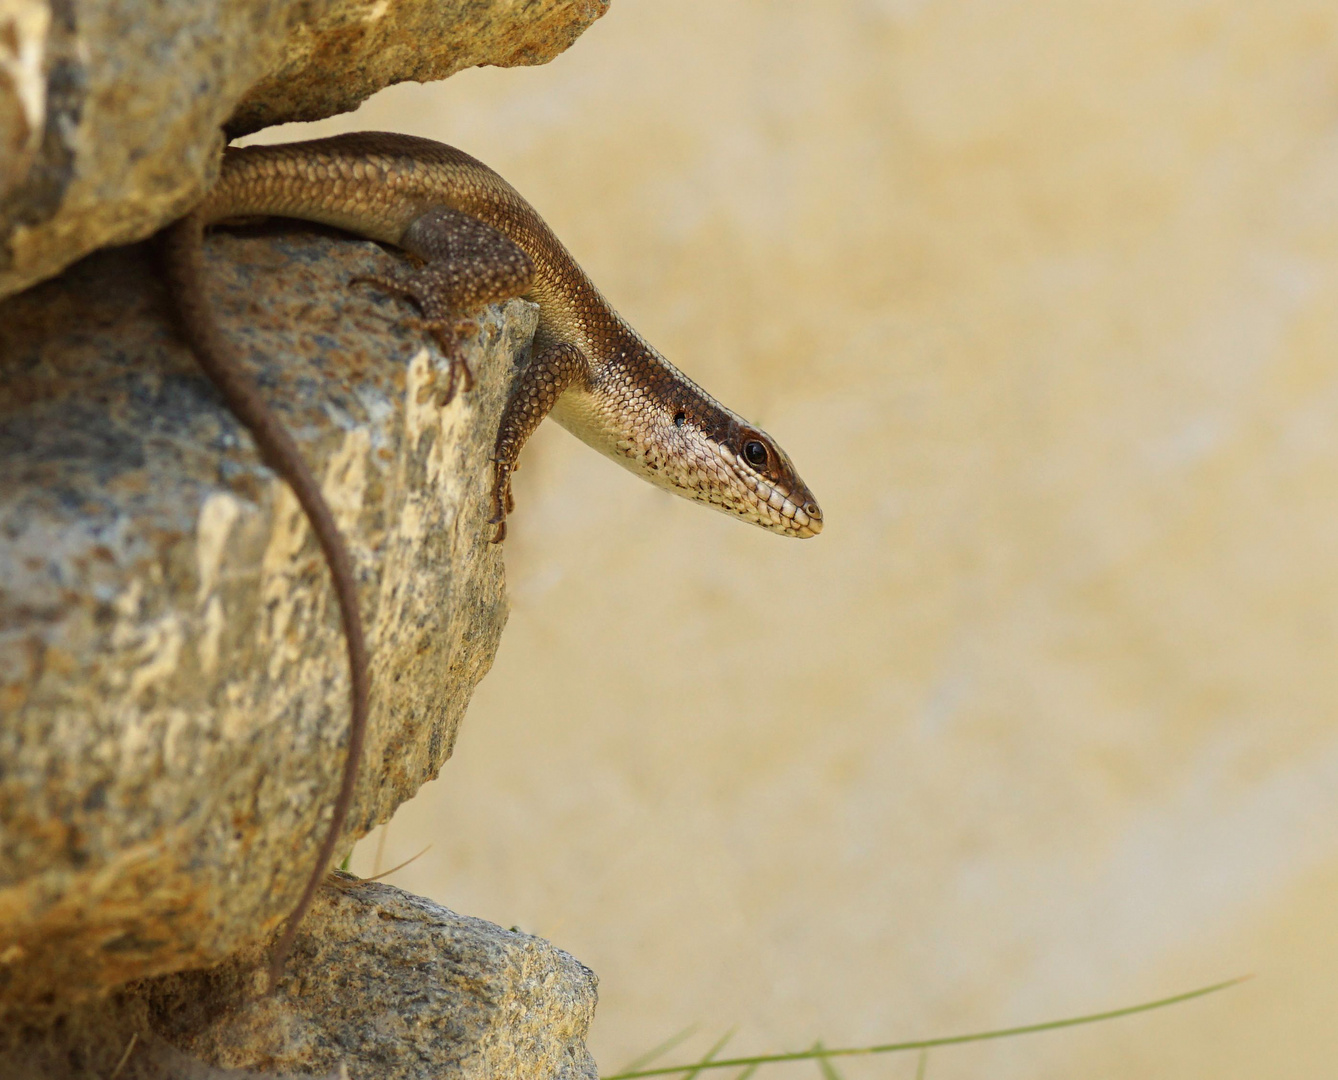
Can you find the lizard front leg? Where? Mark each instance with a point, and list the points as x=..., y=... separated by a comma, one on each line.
x=553, y=368
x=466, y=265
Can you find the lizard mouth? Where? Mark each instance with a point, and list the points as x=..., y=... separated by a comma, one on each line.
x=789, y=510
x=793, y=514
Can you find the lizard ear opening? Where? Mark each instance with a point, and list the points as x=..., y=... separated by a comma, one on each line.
x=680, y=418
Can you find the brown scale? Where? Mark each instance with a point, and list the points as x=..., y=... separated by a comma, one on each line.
x=478, y=242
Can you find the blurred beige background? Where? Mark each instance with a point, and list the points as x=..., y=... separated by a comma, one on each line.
x=1043, y=300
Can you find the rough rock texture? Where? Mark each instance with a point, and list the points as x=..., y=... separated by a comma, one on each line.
x=110, y=110
x=173, y=684
x=372, y=45
x=24, y=25
x=386, y=984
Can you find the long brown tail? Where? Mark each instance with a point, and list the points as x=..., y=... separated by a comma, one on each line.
x=184, y=253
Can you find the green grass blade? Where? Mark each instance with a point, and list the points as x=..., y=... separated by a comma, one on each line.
x=926, y=1044
x=825, y=1067
x=921, y=1065
x=661, y=1050
x=705, y=1062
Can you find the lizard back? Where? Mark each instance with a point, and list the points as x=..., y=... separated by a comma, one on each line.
x=375, y=184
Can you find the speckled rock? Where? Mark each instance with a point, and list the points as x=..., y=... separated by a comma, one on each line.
x=381, y=983
x=333, y=61
x=24, y=25
x=381, y=977
x=111, y=110
x=173, y=685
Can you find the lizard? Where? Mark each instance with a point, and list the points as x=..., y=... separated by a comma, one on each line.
x=476, y=241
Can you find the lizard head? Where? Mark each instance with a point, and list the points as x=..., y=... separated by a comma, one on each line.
x=741, y=470
x=653, y=420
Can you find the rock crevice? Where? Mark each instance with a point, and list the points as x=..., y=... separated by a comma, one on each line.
x=470, y=1001
x=173, y=682
x=173, y=678
x=111, y=111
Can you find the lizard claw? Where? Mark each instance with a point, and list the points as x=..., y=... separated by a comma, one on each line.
x=460, y=377
x=448, y=332
x=461, y=372
x=502, y=501
x=394, y=286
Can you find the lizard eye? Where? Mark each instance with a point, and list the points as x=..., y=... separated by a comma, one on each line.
x=755, y=453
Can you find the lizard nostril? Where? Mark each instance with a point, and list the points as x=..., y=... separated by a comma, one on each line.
x=812, y=509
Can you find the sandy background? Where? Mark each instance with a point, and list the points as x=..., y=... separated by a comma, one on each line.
x=1043, y=300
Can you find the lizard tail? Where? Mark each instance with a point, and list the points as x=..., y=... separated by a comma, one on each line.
x=184, y=254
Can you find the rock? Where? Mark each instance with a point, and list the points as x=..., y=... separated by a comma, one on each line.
x=381, y=976
x=111, y=110
x=386, y=984
x=24, y=25
x=370, y=45
x=173, y=683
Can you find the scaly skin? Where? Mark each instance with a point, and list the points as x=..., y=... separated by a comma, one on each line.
x=633, y=405
x=480, y=242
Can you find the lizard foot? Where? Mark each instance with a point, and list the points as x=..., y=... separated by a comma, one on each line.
x=450, y=332
x=551, y=370
x=407, y=288
x=502, y=500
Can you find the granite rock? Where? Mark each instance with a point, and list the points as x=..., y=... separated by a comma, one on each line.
x=111, y=110
x=173, y=684
x=380, y=984
x=332, y=61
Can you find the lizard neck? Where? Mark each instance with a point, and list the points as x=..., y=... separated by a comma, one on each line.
x=636, y=404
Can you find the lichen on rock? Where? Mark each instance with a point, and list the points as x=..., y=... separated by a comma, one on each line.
x=381, y=984
x=111, y=113
x=173, y=682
